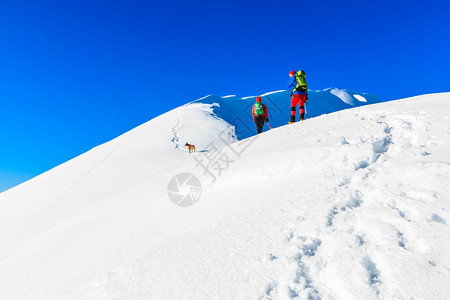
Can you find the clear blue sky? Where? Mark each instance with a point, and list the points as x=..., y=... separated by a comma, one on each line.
x=75, y=74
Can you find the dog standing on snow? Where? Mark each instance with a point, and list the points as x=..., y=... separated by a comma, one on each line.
x=190, y=147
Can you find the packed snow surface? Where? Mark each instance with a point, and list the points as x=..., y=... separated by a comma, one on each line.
x=353, y=204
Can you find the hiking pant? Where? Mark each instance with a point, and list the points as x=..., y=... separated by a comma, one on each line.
x=259, y=121
x=300, y=100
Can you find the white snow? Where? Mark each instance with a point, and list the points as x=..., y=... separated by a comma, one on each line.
x=360, y=98
x=350, y=205
x=343, y=95
x=272, y=93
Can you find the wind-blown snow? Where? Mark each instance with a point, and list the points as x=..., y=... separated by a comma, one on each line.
x=343, y=95
x=349, y=205
x=360, y=98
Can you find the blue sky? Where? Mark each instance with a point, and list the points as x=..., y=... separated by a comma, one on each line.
x=75, y=74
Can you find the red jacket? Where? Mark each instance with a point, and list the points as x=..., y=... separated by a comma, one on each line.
x=265, y=114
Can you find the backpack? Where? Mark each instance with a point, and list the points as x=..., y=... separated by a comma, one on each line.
x=259, y=109
x=302, y=86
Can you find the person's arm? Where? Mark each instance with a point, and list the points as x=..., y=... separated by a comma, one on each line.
x=253, y=112
x=266, y=114
x=291, y=82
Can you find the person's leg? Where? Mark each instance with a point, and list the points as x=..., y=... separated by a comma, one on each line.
x=257, y=125
x=262, y=120
x=294, y=101
x=259, y=120
x=301, y=104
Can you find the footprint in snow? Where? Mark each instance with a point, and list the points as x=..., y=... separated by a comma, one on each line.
x=373, y=274
x=438, y=219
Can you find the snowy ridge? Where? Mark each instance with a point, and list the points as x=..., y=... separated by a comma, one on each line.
x=349, y=205
x=238, y=111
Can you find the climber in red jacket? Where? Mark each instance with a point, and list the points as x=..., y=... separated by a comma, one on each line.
x=260, y=115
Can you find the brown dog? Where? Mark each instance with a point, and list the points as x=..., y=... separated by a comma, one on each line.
x=190, y=147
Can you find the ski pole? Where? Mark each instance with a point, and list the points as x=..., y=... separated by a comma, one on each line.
x=268, y=125
x=306, y=111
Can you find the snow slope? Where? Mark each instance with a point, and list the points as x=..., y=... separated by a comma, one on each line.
x=349, y=205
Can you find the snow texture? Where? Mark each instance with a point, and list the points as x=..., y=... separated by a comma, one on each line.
x=354, y=204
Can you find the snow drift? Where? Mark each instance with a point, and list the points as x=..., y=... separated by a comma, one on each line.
x=349, y=205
